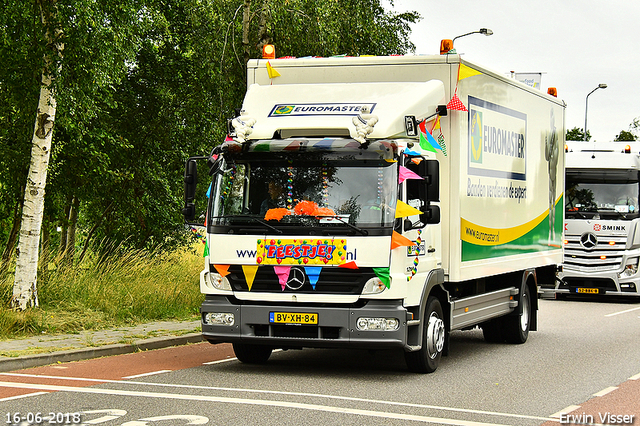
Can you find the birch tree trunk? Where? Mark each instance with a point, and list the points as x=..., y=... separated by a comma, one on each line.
x=24, y=287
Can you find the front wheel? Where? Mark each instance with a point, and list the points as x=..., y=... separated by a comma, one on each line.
x=427, y=358
x=252, y=354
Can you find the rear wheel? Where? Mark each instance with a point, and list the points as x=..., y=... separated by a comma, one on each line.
x=427, y=359
x=516, y=327
x=252, y=354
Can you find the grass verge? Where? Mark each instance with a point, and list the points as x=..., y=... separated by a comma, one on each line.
x=104, y=292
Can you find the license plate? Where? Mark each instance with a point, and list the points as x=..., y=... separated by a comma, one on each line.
x=293, y=318
x=587, y=290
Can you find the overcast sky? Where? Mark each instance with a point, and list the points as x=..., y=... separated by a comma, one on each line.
x=575, y=44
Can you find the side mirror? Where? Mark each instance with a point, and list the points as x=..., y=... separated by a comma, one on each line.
x=431, y=216
x=430, y=171
x=190, y=184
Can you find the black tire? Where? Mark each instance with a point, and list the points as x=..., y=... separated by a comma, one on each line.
x=492, y=331
x=252, y=354
x=427, y=359
x=516, y=327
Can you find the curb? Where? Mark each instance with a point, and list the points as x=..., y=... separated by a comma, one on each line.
x=38, y=360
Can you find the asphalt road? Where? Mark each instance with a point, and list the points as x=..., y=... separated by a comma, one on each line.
x=583, y=361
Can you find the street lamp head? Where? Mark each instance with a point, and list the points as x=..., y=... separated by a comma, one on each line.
x=602, y=86
x=486, y=31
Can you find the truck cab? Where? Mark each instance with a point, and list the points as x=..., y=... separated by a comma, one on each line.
x=602, y=239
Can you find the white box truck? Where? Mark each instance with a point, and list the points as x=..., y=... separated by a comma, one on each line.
x=602, y=235
x=351, y=208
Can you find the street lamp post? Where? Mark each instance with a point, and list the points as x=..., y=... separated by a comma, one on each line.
x=586, y=106
x=485, y=31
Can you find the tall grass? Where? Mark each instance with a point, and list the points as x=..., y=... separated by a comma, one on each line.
x=127, y=287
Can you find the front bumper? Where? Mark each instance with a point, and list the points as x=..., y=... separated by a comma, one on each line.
x=596, y=283
x=336, y=325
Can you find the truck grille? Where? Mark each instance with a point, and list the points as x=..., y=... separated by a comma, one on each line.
x=602, y=254
x=330, y=281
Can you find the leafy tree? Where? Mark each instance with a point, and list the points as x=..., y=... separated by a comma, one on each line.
x=625, y=136
x=577, y=134
x=142, y=85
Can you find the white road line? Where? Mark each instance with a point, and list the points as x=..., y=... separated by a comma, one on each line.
x=280, y=404
x=637, y=376
x=622, y=312
x=219, y=361
x=605, y=391
x=303, y=394
x=10, y=398
x=566, y=410
x=152, y=373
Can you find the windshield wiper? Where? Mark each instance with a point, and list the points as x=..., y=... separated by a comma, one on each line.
x=252, y=218
x=360, y=230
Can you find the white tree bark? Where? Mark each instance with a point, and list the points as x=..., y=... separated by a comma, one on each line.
x=24, y=287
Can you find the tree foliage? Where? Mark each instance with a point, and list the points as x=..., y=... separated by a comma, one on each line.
x=143, y=85
x=577, y=134
x=625, y=136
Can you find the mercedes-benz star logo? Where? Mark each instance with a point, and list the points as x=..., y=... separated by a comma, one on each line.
x=588, y=240
x=296, y=278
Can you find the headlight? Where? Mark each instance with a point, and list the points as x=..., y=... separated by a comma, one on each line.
x=377, y=324
x=219, y=318
x=219, y=282
x=374, y=286
x=631, y=268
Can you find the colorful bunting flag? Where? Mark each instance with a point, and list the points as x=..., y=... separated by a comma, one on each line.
x=424, y=143
x=465, y=71
x=349, y=265
x=456, y=104
x=283, y=274
x=403, y=210
x=383, y=274
x=405, y=174
x=409, y=152
x=206, y=249
x=272, y=73
x=222, y=269
x=398, y=240
x=249, y=274
x=313, y=272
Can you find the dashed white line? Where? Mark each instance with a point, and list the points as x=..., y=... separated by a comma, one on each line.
x=565, y=411
x=622, y=312
x=605, y=391
x=152, y=373
x=637, y=376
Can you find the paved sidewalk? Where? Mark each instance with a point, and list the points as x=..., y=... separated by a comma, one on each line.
x=45, y=349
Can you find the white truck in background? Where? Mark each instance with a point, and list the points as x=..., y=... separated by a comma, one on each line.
x=334, y=220
x=602, y=217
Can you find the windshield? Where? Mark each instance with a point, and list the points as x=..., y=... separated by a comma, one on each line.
x=305, y=191
x=602, y=194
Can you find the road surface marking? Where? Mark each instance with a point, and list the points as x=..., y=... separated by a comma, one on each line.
x=565, y=411
x=152, y=373
x=219, y=361
x=605, y=391
x=9, y=398
x=303, y=394
x=637, y=376
x=621, y=312
x=257, y=402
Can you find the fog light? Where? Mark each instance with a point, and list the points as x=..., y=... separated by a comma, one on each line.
x=374, y=286
x=377, y=324
x=219, y=318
